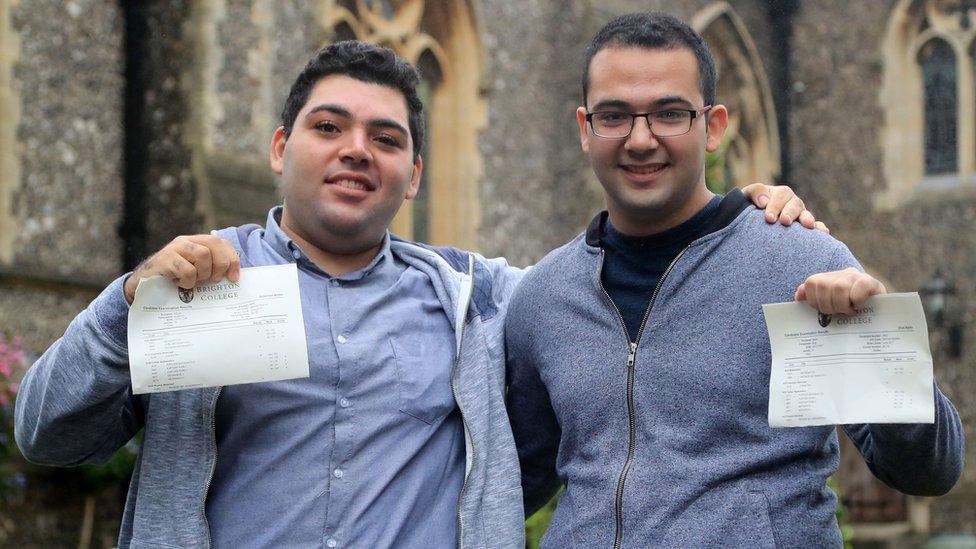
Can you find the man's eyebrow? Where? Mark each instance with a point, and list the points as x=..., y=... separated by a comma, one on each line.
x=390, y=124
x=621, y=104
x=671, y=100
x=610, y=104
x=386, y=123
x=330, y=107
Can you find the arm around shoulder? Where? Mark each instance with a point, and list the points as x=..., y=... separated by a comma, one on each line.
x=505, y=278
x=74, y=404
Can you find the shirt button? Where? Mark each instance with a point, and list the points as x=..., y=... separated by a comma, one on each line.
x=341, y=339
x=344, y=402
x=331, y=542
x=337, y=473
x=335, y=282
x=297, y=254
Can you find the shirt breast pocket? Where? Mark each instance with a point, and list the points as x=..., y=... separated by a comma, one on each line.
x=424, y=379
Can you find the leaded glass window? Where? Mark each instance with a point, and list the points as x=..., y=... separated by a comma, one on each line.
x=430, y=73
x=938, y=64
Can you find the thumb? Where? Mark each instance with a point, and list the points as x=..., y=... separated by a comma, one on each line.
x=801, y=292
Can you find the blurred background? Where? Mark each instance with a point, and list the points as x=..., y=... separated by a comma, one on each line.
x=126, y=123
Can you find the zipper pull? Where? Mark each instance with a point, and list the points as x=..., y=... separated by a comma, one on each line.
x=633, y=355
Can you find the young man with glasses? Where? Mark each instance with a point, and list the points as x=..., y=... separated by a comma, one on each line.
x=638, y=360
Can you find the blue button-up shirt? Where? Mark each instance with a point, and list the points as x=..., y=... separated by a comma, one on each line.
x=368, y=451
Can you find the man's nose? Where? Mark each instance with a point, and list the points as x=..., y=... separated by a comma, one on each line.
x=355, y=148
x=641, y=138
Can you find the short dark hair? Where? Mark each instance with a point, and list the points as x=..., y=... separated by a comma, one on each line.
x=364, y=62
x=654, y=30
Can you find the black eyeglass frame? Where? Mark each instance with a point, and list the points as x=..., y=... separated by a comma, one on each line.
x=695, y=113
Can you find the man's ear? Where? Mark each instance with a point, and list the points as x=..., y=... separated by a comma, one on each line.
x=414, y=187
x=717, y=121
x=584, y=135
x=278, y=150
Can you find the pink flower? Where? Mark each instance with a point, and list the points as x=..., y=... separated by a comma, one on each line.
x=5, y=369
x=13, y=388
x=4, y=400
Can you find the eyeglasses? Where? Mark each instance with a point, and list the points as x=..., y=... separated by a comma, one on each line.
x=664, y=123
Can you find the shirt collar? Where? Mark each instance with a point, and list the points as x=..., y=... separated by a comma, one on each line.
x=287, y=248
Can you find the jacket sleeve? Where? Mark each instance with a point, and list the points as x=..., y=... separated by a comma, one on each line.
x=504, y=278
x=533, y=419
x=917, y=459
x=74, y=404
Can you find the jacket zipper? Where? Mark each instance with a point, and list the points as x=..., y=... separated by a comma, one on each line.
x=464, y=421
x=213, y=465
x=631, y=361
x=464, y=425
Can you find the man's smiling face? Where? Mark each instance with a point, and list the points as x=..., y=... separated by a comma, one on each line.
x=348, y=164
x=651, y=184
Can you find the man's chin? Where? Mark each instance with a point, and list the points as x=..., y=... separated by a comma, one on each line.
x=354, y=228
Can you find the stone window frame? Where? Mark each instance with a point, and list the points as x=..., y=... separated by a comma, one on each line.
x=911, y=25
x=457, y=110
x=9, y=120
x=752, y=141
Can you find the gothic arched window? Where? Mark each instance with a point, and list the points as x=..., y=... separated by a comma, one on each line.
x=929, y=129
x=938, y=64
x=432, y=78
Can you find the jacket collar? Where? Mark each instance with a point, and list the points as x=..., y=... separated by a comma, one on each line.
x=731, y=206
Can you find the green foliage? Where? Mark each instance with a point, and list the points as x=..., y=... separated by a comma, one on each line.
x=715, y=170
x=847, y=532
x=537, y=524
x=91, y=479
x=13, y=364
x=15, y=473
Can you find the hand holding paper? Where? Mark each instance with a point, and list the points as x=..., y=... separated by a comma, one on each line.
x=219, y=333
x=870, y=367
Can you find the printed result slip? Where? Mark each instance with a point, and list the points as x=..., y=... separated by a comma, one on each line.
x=219, y=333
x=871, y=367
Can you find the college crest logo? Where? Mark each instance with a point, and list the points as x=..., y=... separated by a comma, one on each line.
x=823, y=319
x=186, y=296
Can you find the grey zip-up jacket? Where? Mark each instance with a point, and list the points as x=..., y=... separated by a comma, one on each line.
x=664, y=442
x=75, y=406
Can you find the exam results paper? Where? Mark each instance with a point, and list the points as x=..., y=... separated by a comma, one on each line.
x=219, y=333
x=871, y=367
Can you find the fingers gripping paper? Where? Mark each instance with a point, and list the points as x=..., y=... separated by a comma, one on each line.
x=219, y=333
x=871, y=367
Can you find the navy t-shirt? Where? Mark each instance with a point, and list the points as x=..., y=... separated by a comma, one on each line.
x=633, y=265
